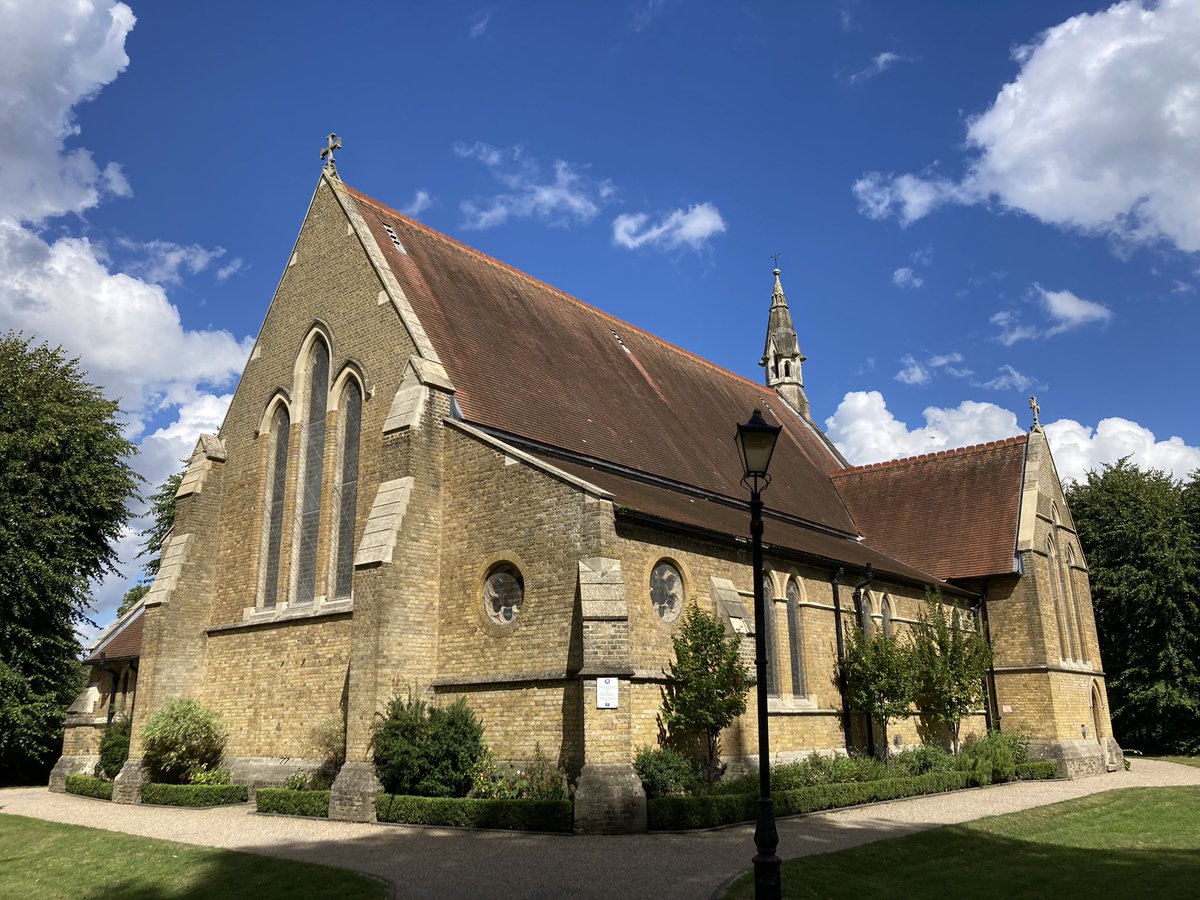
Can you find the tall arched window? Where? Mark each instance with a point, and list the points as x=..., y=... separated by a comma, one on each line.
x=888, y=627
x=1073, y=599
x=1064, y=625
x=277, y=458
x=345, y=499
x=312, y=463
x=772, y=644
x=796, y=639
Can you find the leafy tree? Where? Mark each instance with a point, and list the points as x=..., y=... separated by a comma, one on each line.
x=709, y=682
x=878, y=671
x=1138, y=531
x=949, y=662
x=132, y=596
x=162, y=519
x=64, y=481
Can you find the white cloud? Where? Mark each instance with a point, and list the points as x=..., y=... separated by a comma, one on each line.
x=1009, y=379
x=951, y=364
x=566, y=198
x=644, y=12
x=235, y=265
x=690, y=228
x=479, y=24
x=1078, y=448
x=1069, y=311
x=1011, y=327
x=128, y=335
x=420, y=202
x=913, y=372
x=879, y=65
x=907, y=278
x=865, y=430
x=1097, y=132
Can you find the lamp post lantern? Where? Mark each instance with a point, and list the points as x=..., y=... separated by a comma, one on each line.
x=755, y=443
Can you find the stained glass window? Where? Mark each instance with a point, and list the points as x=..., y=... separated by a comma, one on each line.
x=346, y=495
x=308, y=509
x=277, y=455
x=666, y=591
x=503, y=593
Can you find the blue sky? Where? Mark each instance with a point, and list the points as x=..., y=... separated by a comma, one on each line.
x=972, y=202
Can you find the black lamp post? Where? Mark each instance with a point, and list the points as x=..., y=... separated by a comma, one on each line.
x=755, y=443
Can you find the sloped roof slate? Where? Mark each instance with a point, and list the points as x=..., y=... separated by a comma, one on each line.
x=124, y=642
x=529, y=360
x=952, y=513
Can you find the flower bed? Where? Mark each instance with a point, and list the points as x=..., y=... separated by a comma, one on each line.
x=288, y=802
x=471, y=812
x=194, y=795
x=89, y=786
x=710, y=810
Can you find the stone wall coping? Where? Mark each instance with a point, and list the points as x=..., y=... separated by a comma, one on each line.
x=606, y=672
x=1066, y=668
x=507, y=678
x=285, y=615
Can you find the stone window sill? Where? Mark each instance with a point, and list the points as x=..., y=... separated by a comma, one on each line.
x=793, y=706
x=283, y=614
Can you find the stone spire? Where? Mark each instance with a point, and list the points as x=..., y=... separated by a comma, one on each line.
x=781, y=355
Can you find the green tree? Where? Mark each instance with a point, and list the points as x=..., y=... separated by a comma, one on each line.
x=1142, y=555
x=132, y=596
x=950, y=660
x=709, y=683
x=162, y=520
x=878, y=672
x=64, y=482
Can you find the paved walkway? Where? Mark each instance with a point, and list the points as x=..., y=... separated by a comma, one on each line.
x=441, y=862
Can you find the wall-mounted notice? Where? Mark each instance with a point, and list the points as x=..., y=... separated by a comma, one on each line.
x=606, y=693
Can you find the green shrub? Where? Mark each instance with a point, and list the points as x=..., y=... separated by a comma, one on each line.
x=193, y=794
x=114, y=746
x=286, y=802
x=988, y=760
x=471, y=812
x=201, y=775
x=539, y=779
x=181, y=737
x=818, y=768
x=711, y=810
x=921, y=761
x=665, y=772
x=425, y=750
x=329, y=741
x=297, y=781
x=89, y=786
x=1035, y=771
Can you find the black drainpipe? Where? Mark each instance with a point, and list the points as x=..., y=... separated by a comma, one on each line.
x=992, y=711
x=861, y=614
x=841, y=652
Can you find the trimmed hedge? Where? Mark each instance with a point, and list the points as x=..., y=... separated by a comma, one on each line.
x=287, y=802
x=193, y=794
x=472, y=812
x=711, y=810
x=89, y=786
x=1034, y=771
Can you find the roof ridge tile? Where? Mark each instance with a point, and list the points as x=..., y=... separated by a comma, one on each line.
x=922, y=457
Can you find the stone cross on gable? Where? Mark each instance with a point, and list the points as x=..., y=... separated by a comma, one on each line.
x=775, y=256
x=1033, y=404
x=332, y=142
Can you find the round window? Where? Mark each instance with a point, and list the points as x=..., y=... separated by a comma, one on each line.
x=666, y=591
x=502, y=594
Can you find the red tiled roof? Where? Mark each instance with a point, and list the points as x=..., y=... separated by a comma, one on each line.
x=529, y=360
x=713, y=515
x=952, y=513
x=124, y=642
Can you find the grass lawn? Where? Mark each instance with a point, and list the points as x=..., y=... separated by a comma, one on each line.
x=1140, y=842
x=45, y=859
x=1185, y=760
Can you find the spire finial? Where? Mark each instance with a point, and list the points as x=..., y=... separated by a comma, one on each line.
x=332, y=142
x=775, y=256
x=1037, y=422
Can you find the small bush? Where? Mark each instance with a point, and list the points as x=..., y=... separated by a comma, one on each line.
x=817, y=769
x=539, y=779
x=921, y=761
x=708, y=811
x=1036, y=771
x=89, y=786
x=329, y=741
x=114, y=746
x=196, y=795
x=514, y=815
x=286, y=802
x=297, y=781
x=988, y=760
x=181, y=737
x=202, y=775
x=665, y=772
x=425, y=750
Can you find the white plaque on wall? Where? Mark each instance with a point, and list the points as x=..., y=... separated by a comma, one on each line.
x=606, y=693
x=1006, y=709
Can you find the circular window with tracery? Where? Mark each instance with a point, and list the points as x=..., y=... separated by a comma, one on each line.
x=503, y=592
x=666, y=591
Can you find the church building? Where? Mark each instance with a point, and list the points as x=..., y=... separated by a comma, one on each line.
x=441, y=476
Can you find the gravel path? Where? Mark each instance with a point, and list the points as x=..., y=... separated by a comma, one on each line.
x=441, y=862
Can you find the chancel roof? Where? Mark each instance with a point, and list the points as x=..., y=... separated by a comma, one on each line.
x=122, y=641
x=953, y=513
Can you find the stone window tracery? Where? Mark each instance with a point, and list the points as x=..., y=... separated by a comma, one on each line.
x=277, y=460
x=503, y=593
x=312, y=461
x=796, y=638
x=345, y=495
x=666, y=591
